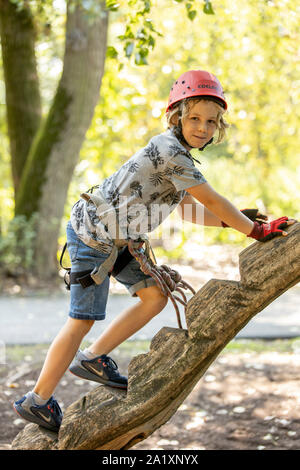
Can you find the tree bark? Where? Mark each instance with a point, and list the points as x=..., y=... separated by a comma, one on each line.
x=55, y=150
x=23, y=101
x=160, y=380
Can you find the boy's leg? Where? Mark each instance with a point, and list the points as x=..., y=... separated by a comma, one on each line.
x=60, y=355
x=152, y=302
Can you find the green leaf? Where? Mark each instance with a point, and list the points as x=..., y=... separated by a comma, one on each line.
x=129, y=49
x=208, y=9
x=128, y=34
x=141, y=34
x=192, y=14
x=111, y=52
x=147, y=6
x=151, y=41
x=140, y=59
x=148, y=24
x=112, y=5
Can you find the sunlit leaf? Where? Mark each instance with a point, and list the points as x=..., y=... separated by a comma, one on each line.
x=112, y=5
x=192, y=14
x=111, y=52
x=208, y=8
x=129, y=49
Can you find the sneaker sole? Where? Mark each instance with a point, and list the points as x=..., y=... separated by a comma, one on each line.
x=85, y=374
x=33, y=419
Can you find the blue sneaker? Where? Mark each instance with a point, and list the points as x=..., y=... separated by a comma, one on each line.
x=48, y=416
x=101, y=369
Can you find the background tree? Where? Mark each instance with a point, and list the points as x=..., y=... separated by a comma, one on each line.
x=252, y=46
x=23, y=101
x=46, y=171
x=45, y=151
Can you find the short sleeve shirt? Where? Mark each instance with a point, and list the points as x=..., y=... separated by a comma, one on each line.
x=140, y=195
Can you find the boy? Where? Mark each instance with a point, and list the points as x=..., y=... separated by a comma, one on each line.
x=136, y=199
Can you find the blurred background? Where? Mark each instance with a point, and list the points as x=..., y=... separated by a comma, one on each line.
x=83, y=86
x=45, y=104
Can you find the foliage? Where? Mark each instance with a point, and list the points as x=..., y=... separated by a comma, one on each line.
x=253, y=48
x=139, y=36
x=6, y=186
x=140, y=33
x=257, y=166
x=17, y=245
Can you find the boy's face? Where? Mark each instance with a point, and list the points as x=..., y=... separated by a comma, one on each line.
x=199, y=126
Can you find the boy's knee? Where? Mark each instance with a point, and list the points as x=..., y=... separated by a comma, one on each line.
x=87, y=325
x=153, y=295
x=83, y=325
x=161, y=301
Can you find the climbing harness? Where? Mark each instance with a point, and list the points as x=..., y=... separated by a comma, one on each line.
x=167, y=279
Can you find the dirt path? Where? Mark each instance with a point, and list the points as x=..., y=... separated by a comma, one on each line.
x=249, y=402
x=248, y=399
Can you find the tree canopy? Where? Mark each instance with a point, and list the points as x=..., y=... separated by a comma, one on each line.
x=251, y=45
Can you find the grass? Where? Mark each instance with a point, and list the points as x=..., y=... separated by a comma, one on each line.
x=259, y=346
x=35, y=352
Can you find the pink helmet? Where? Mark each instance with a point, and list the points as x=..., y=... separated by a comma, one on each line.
x=196, y=83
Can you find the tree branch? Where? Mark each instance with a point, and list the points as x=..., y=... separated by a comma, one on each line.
x=160, y=380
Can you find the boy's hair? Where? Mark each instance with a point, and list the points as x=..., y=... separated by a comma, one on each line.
x=182, y=109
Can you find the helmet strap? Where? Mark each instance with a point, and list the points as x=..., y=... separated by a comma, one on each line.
x=207, y=143
x=177, y=130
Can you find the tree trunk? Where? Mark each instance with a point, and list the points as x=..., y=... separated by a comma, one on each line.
x=23, y=101
x=55, y=150
x=160, y=380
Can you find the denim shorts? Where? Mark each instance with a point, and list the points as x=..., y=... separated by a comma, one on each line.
x=90, y=303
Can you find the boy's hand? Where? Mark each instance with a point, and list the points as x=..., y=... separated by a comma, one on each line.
x=252, y=214
x=255, y=215
x=264, y=232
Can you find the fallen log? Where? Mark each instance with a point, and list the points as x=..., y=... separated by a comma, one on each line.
x=160, y=380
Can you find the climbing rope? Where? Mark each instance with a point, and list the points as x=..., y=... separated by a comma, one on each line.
x=166, y=278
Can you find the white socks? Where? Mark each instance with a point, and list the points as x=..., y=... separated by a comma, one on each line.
x=89, y=354
x=37, y=399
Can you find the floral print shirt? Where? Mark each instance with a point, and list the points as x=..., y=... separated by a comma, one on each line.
x=141, y=194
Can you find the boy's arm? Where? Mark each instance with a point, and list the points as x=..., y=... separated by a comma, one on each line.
x=196, y=213
x=220, y=207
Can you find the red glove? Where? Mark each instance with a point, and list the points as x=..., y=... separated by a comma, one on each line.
x=265, y=232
